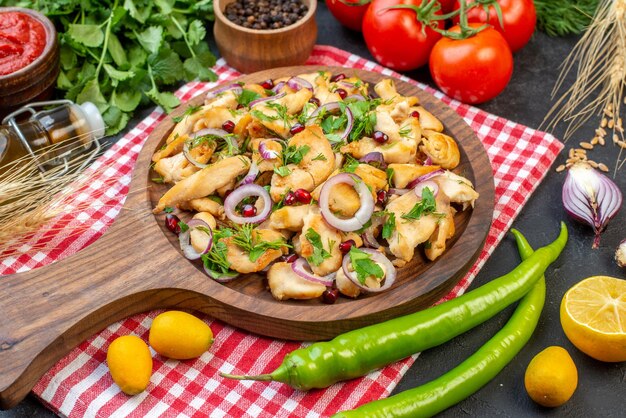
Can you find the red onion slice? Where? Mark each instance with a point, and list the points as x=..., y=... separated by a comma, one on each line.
x=379, y=258
x=266, y=153
x=332, y=107
x=591, y=197
x=278, y=86
x=266, y=99
x=302, y=269
x=425, y=177
x=296, y=83
x=428, y=161
x=398, y=192
x=235, y=88
x=355, y=97
x=374, y=158
x=361, y=217
x=251, y=176
x=434, y=188
x=203, y=132
x=184, y=239
x=242, y=192
x=369, y=239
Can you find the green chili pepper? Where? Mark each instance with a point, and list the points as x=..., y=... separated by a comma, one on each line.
x=360, y=351
x=475, y=372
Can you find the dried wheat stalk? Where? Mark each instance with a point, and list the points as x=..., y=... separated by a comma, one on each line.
x=599, y=63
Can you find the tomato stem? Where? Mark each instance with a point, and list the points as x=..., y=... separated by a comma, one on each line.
x=426, y=15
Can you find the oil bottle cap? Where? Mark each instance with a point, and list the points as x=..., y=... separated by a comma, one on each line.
x=94, y=118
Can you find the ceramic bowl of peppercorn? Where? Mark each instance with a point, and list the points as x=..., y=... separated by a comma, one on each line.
x=254, y=35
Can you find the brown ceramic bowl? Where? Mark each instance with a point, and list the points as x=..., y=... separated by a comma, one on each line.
x=36, y=81
x=250, y=50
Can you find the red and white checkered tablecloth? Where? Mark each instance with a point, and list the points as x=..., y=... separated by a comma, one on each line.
x=80, y=384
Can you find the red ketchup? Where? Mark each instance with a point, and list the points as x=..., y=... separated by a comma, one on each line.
x=22, y=40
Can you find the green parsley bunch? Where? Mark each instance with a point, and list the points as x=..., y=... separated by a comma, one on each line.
x=119, y=54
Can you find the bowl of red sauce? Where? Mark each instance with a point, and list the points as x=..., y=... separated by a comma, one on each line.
x=29, y=57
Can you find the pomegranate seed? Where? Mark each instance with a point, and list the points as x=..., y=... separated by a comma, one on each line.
x=342, y=93
x=315, y=101
x=338, y=77
x=345, y=246
x=302, y=196
x=248, y=211
x=297, y=128
x=239, y=106
x=381, y=137
x=290, y=199
x=289, y=258
x=171, y=222
x=415, y=114
x=228, y=126
x=330, y=296
x=268, y=84
x=381, y=197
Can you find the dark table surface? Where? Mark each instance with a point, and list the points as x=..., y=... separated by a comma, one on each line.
x=602, y=386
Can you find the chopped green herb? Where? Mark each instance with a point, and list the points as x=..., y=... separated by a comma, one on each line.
x=282, y=171
x=364, y=113
x=159, y=180
x=189, y=111
x=320, y=157
x=319, y=253
x=215, y=260
x=351, y=164
x=294, y=155
x=389, y=226
x=282, y=112
x=244, y=239
x=247, y=96
x=364, y=266
x=390, y=172
x=404, y=131
x=183, y=226
x=424, y=207
x=168, y=209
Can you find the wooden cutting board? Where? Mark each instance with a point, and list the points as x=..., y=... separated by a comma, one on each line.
x=136, y=266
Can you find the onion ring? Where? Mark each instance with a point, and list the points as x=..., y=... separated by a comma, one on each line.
x=235, y=88
x=265, y=99
x=302, y=269
x=267, y=154
x=361, y=217
x=223, y=277
x=296, y=83
x=434, y=188
x=184, y=239
x=425, y=177
x=251, y=176
x=378, y=257
x=241, y=193
x=202, y=132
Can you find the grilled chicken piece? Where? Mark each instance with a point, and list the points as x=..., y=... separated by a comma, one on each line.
x=204, y=204
x=272, y=119
x=313, y=170
x=345, y=285
x=199, y=238
x=344, y=200
x=285, y=284
x=442, y=149
x=457, y=188
x=403, y=174
x=410, y=233
x=437, y=242
x=239, y=259
x=204, y=182
x=215, y=118
x=428, y=120
x=402, y=151
x=387, y=91
x=172, y=148
x=270, y=145
x=174, y=169
x=290, y=218
x=330, y=239
x=226, y=99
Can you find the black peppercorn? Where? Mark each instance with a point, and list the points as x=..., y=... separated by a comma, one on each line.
x=265, y=14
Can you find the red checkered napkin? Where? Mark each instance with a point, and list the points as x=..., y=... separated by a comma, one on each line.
x=80, y=385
